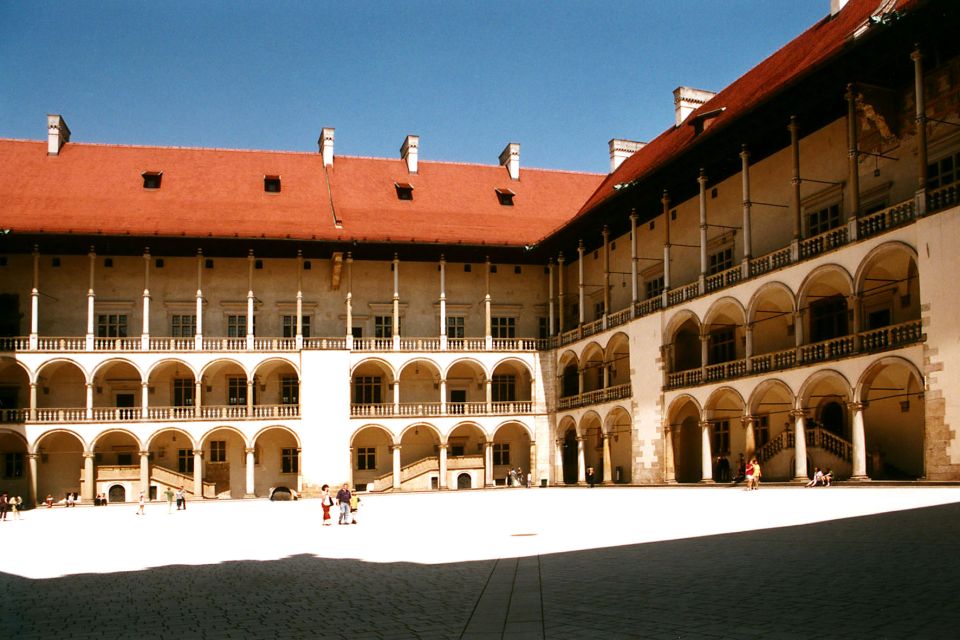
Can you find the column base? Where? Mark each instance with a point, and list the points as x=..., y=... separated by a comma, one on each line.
x=708, y=481
x=249, y=495
x=863, y=478
x=799, y=479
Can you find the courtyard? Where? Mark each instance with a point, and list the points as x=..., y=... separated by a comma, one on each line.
x=617, y=562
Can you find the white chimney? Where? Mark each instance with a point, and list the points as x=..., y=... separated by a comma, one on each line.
x=686, y=100
x=836, y=6
x=510, y=158
x=58, y=134
x=408, y=152
x=326, y=145
x=620, y=150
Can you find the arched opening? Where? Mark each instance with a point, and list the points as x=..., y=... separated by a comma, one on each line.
x=724, y=327
x=770, y=408
x=224, y=462
x=569, y=375
x=117, y=392
x=117, y=460
x=278, y=390
x=593, y=367
x=419, y=458
x=772, y=320
x=466, y=388
x=686, y=346
x=464, y=481
x=825, y=299
x=465, y=453
x=277, y=459
x=14, y=469
x=117, y=493
x=620, y=434
x=828, y=434
x=570, y=455
x=591, y=430
x=59, y=465
x=511, y=450
x=371, y=389
x=687, y=439
x=173, y=391
x=226, y=393
x=14, y=392
x=61, y=391
x=888, y=288
x=420, y=388
x=893, y=419
x=372, y=459
x=510, y=388
x=725, y=410
x=172, y=463
x=618, y=359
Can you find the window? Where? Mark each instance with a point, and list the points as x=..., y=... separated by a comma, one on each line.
x=289, y=390
x=237, y=326
x=504, y=388
x=501, y=453
x=183, y=392
x=761, y=430
x=823, y=220
x=271, y=184
x=598, y=310
x=151, y=179
x=543, y=328
x=13, y=465
x=942, y=172
x=183, y=326
x=185, y=460
x=721, y=437
x=112, y=326
x=218, y=451
x=828, y=318
x=722, y=346
x=654, y=287
x=367, y=390
x=290, y=326
x=720, y=261
x=505, y=197
x=455, y=326
x=236, y=391
x=366, y=459
x=502, y=327
x=404, y=190
x=383, y=326
x=289, y=461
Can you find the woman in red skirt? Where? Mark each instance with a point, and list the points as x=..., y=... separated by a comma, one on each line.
x=326, y=502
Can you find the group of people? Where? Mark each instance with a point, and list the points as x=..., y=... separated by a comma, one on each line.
x=821, y=478
x=748, y=472
x=348, y=502
x=10, y=503
x=516, y=478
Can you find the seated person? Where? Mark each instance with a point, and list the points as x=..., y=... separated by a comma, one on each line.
x=817, y=477
x=827, y=478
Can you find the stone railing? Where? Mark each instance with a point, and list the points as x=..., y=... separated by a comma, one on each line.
x=684, y=293
x=14, y=415
x=725, y=370
x=425, y=409
x=618, y=318
x=159, y=413
x=723, y=279
x=827, y=350
x=770, y=262
x=876, y=223
x=119, y=472
x=465, y=462
x=822, y=243
x=466, y=344
x=773, y=361
x=596, y=396
x=116, y=344
x=783, y=440
x=412, y=470
x=816, y=438
x=943, y=197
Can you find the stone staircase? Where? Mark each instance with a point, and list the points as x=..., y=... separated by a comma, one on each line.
x=825, y=449
x=163, y=478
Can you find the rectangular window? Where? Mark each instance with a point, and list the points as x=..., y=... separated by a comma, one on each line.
x=383, y=326
x=112, y=325
x=653, y=287
x=598, y=310
x=502, y=327
x=504, y=388
x=828, y=318
x=721, y=261
x=183, y=392
x=367, y=390
x=366, y=458
x=289, y=390
x=13, y=465
x=237, y=326
x=289, y=461
x=501, y=453
x=185, y=460
x=942, y=172
x=218, y=451
x=237, y=391
x=721, y=437
x=290, y=326
x=183, y=326
x=455, y=325
x=722, y=346
x=543, y=328
x=823, y=220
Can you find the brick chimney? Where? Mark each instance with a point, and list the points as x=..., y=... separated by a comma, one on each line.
x=620, y=150
x=408, y=152
x=686, y=100
x=510, y=158
x=58, y=134
x=326, y=145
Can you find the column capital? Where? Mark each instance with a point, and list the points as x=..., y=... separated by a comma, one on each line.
x=702, y=177
x=916, y=54
x=856, y=406
x=33, y=456
x=633, y=216
x=704, y=424
x=249, y=450
x=443, y=446
x=88, y=454
x=395, y=447
x=744, y=152
x=798, y=413
x=747, y=420
x=144, y=454
x=197, y=452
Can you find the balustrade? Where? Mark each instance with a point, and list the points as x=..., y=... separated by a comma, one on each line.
x=827, y=241
x=875, y=223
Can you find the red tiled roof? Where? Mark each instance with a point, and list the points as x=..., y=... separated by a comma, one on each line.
x=797, y=58
x=220, y=193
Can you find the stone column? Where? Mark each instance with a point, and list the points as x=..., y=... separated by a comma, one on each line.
x=145, y=473
x=665, y=204
x=349, y=300
x=551, y=323
x=580, y=380
x=300, y=470
x=799, y=445
x=488, y=384
x=35, y=302
x=89, y=412
x=197, y=395
x=442, y=480
x=396, y=303
x=794, y=129
x=749, y=437
x=488, y=464
x=669, y=469
x=532, y=468
x=747, y=233
x=488, y=326
x=250, y=261
x=704, y=353
x=443, y=396
x=853, y=303
x=606, y=273
x=198, y=473
x=859, y=439
x=144, y=400
x=250, y=469
x=198, y=337
x=748, y=344
x=251, y=389
x=581, y=462
x=853, y=161
x=443, y=303
x=32, y=463
x=702, y=182
x=396, y=397
x=396, y=467
x=145, y=334
x=91, y=298
x=607, y=463
x=33, y=401
x=298, y=343
x=706, y=455
x=581, y=299
x=88, y=477
x=557, y=466
x=921, y=122
x=634, y=282
x=560, y=305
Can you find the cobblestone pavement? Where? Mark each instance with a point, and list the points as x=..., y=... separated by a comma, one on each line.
x=557, y=563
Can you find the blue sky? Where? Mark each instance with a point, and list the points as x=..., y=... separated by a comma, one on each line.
x=561, y=78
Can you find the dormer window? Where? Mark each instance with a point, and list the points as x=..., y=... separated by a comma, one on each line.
x=404, y=190
x=271, y=184
x=505, y=196
x=151, y=179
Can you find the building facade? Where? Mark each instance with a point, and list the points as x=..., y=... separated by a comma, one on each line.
x=770, y=277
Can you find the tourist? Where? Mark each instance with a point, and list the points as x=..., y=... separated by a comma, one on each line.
x=181, y=499
x=15, y=502
x=141, y=504
x=828, y=477
x=754, y=475
x=69, y=500
x=817, y=478
x=590, y=476
x=326, y=501
x=48, y=501
x=354, y=507
x=723, y=468
x=4, y=505
x=343, y=499
x=169, y=495
x=741, y=471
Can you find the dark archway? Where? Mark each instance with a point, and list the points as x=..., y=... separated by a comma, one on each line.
x=464, y=482
x=570, y=456
x=117, y=493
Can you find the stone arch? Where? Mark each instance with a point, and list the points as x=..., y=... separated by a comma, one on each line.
x=372, y=457
x=471, y=363
x=60, y=463
x=567, y=434
x=117, y=389
x=683, y=341
x=14, y=462
x=378, y=362
x=888, y=286
x=824, y=397
x=222, y=362
x=277, y=455
x=225, y=461
x=116, y=430
x=171, y=457
x=771, y=315
x=724, y=327
x=824, y=296
x=891, y=391
x=617, y=356
x=512, y=447
x=592, y=365
x=226, y=427
x=419, y=382
x=281, y=427
x=684, y=415
x=591, y=431
x=568, y=366
x=14, y=390
x=618, y=426
x=62, y=384
x=112, y=362
x=465, y=383
x=724, y=411
x=155, y=367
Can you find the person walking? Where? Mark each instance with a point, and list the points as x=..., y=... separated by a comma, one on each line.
x=755, y=481
x=354, y=507
x=15, y=502
x=326, y=501
x=141, y=505
x=590, y=477
x=181, y=499
x=169, y=495
x=4, y=505
x=343, y=499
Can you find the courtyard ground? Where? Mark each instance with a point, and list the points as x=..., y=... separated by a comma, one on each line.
x=664, y=562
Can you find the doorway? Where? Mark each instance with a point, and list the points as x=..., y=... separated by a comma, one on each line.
x=464, y=481
x=117, y=493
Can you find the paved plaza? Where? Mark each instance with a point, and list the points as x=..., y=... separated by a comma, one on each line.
x=667, y=562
